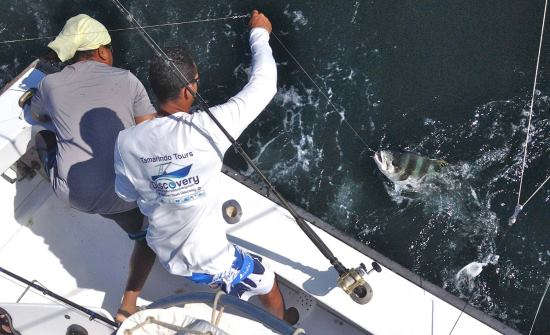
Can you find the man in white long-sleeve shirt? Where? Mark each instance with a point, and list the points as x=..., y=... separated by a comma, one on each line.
x=172, y=165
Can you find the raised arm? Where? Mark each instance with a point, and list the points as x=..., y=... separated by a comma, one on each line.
x=239, y=111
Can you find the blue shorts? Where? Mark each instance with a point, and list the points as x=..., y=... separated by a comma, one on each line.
x=248, y=276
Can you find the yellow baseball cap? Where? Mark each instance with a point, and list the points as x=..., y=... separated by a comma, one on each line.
x=80, y=33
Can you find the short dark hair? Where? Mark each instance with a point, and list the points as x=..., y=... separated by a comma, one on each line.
x=87, y=54
x=82, y=55
x=166, y=84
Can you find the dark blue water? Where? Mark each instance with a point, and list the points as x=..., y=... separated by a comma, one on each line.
x=445, y=79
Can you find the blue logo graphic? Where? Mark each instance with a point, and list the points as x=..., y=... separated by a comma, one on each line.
x=175, y=180
x=183, y=172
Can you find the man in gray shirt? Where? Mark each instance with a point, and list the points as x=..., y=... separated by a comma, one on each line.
x=89, y=102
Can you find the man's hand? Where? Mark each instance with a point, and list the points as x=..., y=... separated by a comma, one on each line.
x=259, y=20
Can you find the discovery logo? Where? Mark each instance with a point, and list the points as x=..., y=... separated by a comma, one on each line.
x=174, y=180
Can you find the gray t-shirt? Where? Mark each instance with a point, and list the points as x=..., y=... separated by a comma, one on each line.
x=89, y=104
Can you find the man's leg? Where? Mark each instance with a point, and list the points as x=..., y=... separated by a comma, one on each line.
x=261, y=281
x=273, y=301
x=46, y=147
x=141, y=261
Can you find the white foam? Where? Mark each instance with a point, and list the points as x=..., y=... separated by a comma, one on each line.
x=351, y=75
x=454, y=207
x=229, y=32
x=354, y=16
x=474, y=269
x=471, y=270
x=289, y=97
x=297, y=16
x=241, y=69
x=293, y=152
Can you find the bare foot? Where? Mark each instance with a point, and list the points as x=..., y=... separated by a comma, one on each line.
x=124, y=313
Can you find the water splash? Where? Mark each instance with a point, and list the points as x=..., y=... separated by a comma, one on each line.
x=297, y=16
x=355, y=8
x=465, y=276
x=473, y=269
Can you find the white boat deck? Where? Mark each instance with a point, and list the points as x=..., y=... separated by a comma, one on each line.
x=84, y=258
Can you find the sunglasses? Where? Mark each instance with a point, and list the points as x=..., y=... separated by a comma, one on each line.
x=195, y=80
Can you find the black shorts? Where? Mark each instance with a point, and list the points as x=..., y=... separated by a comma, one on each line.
x=132, y=222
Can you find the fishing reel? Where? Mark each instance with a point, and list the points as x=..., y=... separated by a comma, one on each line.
x=354, y=284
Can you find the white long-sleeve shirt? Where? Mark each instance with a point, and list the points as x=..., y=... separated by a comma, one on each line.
x=172, y=165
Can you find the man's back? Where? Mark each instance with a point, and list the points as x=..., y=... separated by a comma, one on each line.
x=175, y=167
x=90, y=103
x=171, y=166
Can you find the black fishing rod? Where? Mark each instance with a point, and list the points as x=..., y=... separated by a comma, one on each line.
x=93, y=315
x=351, y=280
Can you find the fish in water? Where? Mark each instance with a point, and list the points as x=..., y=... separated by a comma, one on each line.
x=401, y=166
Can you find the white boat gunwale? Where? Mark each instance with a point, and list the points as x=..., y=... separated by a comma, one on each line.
x=23, y=72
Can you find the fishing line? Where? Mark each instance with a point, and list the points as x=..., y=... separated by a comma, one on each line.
x=538, y=189
x=234, y=17
x=540, y=304
x=321, y=91
x=519, y=206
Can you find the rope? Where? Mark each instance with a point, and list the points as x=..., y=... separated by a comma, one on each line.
x=460, y=315
x=234, y=17
x=540, y=304
x=215, y=320
x=173, y=327
x=519, y=206
x=321, y=91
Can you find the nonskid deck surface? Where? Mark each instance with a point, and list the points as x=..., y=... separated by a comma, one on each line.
x=84, y=258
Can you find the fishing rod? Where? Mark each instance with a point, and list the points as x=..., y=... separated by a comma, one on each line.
x=350, y=280
x=93, y=315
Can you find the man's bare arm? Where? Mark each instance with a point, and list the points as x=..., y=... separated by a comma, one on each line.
x=140, y=119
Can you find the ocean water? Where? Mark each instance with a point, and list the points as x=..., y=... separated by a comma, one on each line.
x=446, y=79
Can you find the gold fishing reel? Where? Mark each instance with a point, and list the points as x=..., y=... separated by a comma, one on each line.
x=354, y=284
